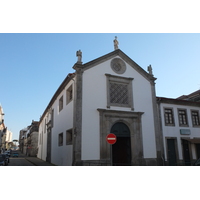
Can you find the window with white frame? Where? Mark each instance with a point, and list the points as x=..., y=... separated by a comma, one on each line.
x=169, y=117
x=182, y=115
x=195, y=118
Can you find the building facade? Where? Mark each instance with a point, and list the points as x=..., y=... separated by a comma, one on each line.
x=22, y=138
x=180, y=129
x=6, y=139
x=2, y=127
x=28, y=139
x=5, y=134
x=32, y=139
x=194, y=96
x=111, y=94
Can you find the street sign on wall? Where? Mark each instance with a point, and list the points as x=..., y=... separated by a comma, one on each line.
x=111, y=138
x=185, y=131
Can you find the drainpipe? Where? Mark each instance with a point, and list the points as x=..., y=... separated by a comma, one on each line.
x=161, y=129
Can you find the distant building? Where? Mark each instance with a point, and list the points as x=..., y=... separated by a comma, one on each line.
x=32, y=139
x=2, y=126
x=22, y=137
x=28, y=139
x=5, y=134
x=195, y=96
x=1, y=115
x=3, y=130
x=6, y=138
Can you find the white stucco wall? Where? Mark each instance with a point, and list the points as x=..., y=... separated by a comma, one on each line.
x=174, y=131
x=8, y=136
x=42, y=141
x=62, y=121
x=95, y=96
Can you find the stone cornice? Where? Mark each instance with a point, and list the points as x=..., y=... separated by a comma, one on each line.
x=177, y=101
x=111, y=55
x=57, y=93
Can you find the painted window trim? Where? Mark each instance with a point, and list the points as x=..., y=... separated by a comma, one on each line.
x=183, y=125
x=169, y=124
x=194, y=125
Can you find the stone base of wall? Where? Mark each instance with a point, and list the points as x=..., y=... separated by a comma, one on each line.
x=181, y=163
x=95, y=163
x=138, y=162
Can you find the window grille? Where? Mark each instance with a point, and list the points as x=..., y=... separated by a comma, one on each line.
x=118, y=93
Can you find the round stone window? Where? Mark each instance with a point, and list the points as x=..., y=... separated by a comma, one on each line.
x=118, y=65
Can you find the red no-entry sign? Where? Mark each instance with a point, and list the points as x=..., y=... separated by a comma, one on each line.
x=111, y=138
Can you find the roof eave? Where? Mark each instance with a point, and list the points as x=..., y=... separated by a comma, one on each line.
x=177, y=101
x=69, y=77
x=126, y=58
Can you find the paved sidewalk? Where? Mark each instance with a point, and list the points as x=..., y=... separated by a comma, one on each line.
x=35, y=161
x=38, y=162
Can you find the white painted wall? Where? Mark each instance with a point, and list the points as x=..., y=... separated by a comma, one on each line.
x=8, y=136
x=95, y=96
x=42, y=140
x=63, y=121
x=174, y=131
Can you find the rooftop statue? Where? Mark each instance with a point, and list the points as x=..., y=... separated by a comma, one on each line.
x=116, y=43
x=79, y=55
x=150, y=70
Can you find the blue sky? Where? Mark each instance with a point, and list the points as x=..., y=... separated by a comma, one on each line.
x=34, y=65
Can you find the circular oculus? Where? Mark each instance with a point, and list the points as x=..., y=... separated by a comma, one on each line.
x=118, y=65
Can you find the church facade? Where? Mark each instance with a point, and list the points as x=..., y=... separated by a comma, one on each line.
x=111, y=94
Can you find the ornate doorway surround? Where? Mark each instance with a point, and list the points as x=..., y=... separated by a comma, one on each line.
x=133, y=121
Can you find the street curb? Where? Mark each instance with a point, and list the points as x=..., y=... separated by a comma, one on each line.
x=34, y=162
x=50, y=164
x=31, y=162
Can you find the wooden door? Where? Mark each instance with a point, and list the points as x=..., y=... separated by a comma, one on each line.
x=121, y=150
x=48, y=158
x=198, y=150
x=171, y=150
x=186, y=152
